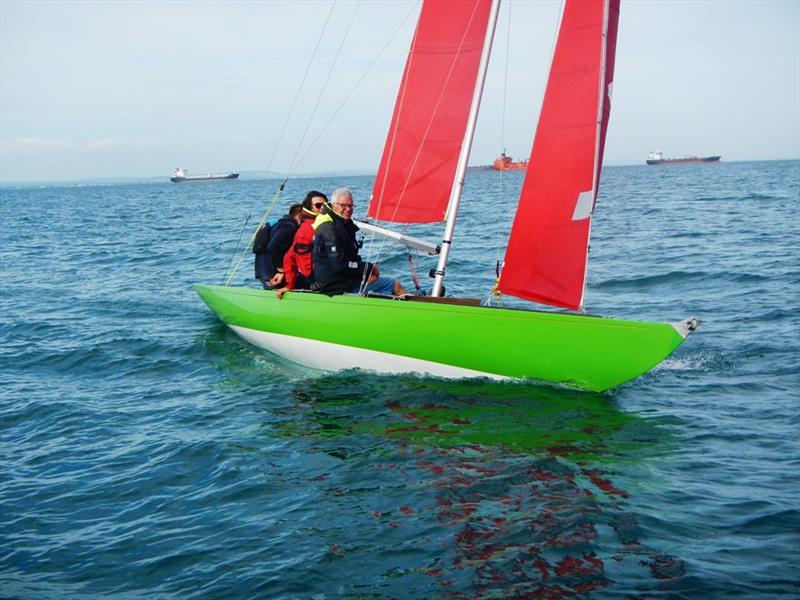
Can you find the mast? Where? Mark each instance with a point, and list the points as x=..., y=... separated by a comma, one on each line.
x=463, y=158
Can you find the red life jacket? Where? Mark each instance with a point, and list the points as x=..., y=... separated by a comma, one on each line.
x=299, y=259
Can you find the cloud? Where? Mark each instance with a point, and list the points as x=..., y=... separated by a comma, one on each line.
x=35, y=144
x=104, y=144
x=33, y=158
x=30, y=145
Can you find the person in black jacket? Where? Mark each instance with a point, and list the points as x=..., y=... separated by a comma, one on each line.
x=338, y=268
x=281, y=235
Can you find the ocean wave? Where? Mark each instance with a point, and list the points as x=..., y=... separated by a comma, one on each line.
x=148, y=451
x=697, y=360
x=740, y=198
x=679, y=277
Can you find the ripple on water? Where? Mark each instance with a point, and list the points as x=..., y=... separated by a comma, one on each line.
x=148, y=452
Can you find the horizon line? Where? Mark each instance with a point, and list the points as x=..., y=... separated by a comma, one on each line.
x=268, y=175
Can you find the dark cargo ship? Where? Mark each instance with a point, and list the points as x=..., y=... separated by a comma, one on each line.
x=657, y=158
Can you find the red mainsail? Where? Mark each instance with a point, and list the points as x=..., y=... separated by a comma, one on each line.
x=430, y=116
x=547, y=251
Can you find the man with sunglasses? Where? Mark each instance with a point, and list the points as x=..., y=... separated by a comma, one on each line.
x=298, y=268
x=338, y=268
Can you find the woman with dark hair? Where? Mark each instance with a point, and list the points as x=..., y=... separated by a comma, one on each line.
x=298, y=267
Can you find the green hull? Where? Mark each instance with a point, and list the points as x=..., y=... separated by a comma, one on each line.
x=444, y=339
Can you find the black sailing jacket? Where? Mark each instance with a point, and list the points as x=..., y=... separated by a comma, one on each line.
x=338, y=268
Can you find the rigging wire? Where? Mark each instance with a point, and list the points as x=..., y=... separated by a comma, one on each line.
x=279, y=190
x=324, y=128
x=381, y=249
x=293, y=164
x=249, y=244
x=414, y=277
x=495, y=295
x=230, y=260
x=505, y=83
x=355, y=87
x=302, y=84
x=344, y=101
x=553, y=42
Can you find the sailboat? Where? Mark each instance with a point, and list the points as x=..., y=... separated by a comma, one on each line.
x=420, y=180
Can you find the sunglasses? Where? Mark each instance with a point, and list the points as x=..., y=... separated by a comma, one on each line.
x=318, y=205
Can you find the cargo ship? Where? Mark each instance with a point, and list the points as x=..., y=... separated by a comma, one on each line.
x=506, y=163
x=180, y=176
x=657, y=158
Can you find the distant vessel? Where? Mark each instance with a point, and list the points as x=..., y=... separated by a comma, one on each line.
x=657, y=158
x=180, y=176
x=506, y=163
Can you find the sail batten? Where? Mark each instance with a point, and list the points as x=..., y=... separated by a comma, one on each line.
x=419, y=161
x=548, y=248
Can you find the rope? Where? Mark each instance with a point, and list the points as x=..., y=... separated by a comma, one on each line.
x=249, y=245
x=414, y=276
x=277, y=145
x=313, y=143
x=381, y=250
x=495, y=295
x=495, y=292
x=347, y=97
x=230, y=260
x=368, y=273
x=300, y=87
x=293, y=165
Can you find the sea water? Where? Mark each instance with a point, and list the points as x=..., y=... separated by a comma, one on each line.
x=147, y=452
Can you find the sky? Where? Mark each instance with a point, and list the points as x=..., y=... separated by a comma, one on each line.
x=96, y=89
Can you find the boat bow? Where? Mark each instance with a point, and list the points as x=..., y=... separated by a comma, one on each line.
x=686, y=326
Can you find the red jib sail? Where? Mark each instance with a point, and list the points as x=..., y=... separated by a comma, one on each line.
x=430, y=116
x=547, y=251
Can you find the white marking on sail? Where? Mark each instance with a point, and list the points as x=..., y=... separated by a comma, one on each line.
x=583, y=206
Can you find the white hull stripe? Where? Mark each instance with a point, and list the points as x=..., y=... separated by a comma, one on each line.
x=327, y=356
